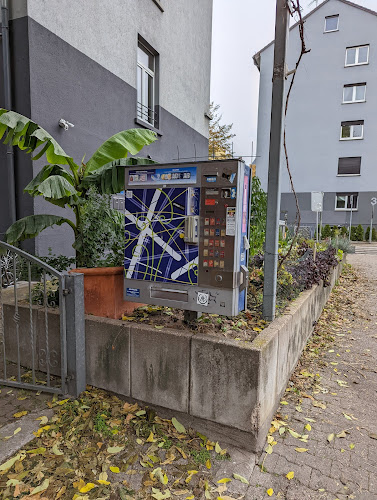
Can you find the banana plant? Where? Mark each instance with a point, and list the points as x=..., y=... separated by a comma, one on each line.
x=63, y=182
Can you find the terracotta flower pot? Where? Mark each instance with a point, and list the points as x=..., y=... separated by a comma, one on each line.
x=103, y=292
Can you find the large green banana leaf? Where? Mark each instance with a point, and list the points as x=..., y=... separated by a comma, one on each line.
x=27, y=135
x=30, y=226
x=49, y=170
x=109, y=179
x=118, y=146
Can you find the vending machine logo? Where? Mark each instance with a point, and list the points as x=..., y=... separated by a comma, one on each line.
x=155, y=249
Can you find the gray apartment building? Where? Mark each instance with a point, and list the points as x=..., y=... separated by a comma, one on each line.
x=331, y=122
x=106, y=67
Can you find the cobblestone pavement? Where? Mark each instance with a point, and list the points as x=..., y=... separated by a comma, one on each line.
x=332, y=467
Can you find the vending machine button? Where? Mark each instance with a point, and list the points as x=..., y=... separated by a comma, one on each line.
x=218, y=278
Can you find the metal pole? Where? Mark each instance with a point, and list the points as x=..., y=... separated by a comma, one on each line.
x=349, y=239
x=317, y=228
x=273, y=200
x=371, y=225
x=8, y=105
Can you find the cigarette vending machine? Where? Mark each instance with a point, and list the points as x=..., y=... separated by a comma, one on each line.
x=187, y=235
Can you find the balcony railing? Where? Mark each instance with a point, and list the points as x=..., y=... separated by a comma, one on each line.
x=146, y=114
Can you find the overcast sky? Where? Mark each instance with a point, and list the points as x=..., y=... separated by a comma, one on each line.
x=240, y=29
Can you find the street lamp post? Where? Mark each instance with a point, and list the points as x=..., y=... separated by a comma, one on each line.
x=373, y=202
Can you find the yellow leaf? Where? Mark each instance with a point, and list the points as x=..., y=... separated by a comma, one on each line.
x=116, y=470
x=62, y=402
x=114, y=449
x=190, y=497
x=103, y=476
x=283, y=402
x=241, y=478
x=208, y=464
x=9, y=463
x=20, y=414
x=87, y=487
x=139, y=441
x=330, y=437
x=43, y=420
x=55, y=450
x=308, y=427
x=17, y=431
x=37, y=451
x=224, y=480
x=270, y=492
x=179, y=427
x=102, y=481
x=290, y=475
x=352, y=446
x=79, y=484
x=301, y=450
x=151, y=438
x=60, y=492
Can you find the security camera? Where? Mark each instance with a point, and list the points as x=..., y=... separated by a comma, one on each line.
x=65, y=124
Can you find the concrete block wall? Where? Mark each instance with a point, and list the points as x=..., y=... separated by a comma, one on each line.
x=221, y=387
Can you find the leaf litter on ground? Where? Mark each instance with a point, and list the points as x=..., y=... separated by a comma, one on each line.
x=100, y=447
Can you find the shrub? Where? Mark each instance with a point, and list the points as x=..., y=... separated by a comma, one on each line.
x=343, y=244
x=374, y=234
x=326, y=232
x=359, y=233
x=367, y=233
x=353, y=233
x=343, y=231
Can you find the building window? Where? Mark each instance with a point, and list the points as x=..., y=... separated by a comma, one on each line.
x=331, y=23
x=344, y=201
x=357, y=55
x=354, y=92
x=349, y=166
x=146, y=85
x=352, y=130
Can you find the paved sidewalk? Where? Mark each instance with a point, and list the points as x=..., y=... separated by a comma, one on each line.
x=342, y=402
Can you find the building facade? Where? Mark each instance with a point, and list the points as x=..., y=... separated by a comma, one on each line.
x=106, y=67
x=330, y=125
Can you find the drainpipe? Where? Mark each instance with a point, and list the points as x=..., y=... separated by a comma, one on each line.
x=8, y=105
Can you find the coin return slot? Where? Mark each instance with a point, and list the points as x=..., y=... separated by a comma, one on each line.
x=169, y=294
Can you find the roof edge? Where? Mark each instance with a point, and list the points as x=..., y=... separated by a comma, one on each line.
x=256, y=56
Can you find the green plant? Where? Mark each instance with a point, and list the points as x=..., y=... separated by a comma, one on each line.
x=342, y=244
x=326, y=232
x=367, y=233
x=258, y=215
x=63, y=182
x=374, y=234
x=200, y=457
x=102, y=232
x=59, y=262
x=359, y=233
x=343, y=231
x=52, y=293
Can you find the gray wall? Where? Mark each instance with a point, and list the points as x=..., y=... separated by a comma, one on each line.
x=316, y=110
x=87, y=75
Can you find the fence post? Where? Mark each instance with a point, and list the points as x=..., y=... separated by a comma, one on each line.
x=75, y=324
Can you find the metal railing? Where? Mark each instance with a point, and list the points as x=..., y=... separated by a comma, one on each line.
x=33, y=323
x=146, y=114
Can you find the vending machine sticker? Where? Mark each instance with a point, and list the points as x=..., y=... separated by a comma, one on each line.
x=230, y=226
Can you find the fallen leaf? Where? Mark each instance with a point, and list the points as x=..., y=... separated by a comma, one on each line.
x=208, y=464
x=179, y=427
x=318, y=404
x=60, y=492
x=116, y=470
x=20, y=414
x=330, y=437
x=55, y=450
x=308, y=427
x=87, y=487
x=270, y=492
x=224, y=480
x=113, y=450
x=341, y=434
x=17, y=431
x=283, y=402
x=40, y=488
x=43, y=420
x=290, y=475
x=301, y=450
x=372, y=435
x=352, y=446
x=241, y=478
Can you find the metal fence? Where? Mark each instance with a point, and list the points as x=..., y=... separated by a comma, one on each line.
x=41, y=325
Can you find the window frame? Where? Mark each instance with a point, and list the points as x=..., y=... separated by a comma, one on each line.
x=354, y=86
x=152, y=73
x=348, y=197
x=357, y=47
x=337, y=26
x=348, y=158
x=351, y=125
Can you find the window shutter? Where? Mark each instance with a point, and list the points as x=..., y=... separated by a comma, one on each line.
x=349, y=166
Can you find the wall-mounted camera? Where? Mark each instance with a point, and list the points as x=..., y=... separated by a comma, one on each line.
x=65, y=124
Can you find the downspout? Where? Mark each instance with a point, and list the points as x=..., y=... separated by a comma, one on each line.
x=8, y=105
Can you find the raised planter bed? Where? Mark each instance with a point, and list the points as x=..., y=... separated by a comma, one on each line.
x=227, y=389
